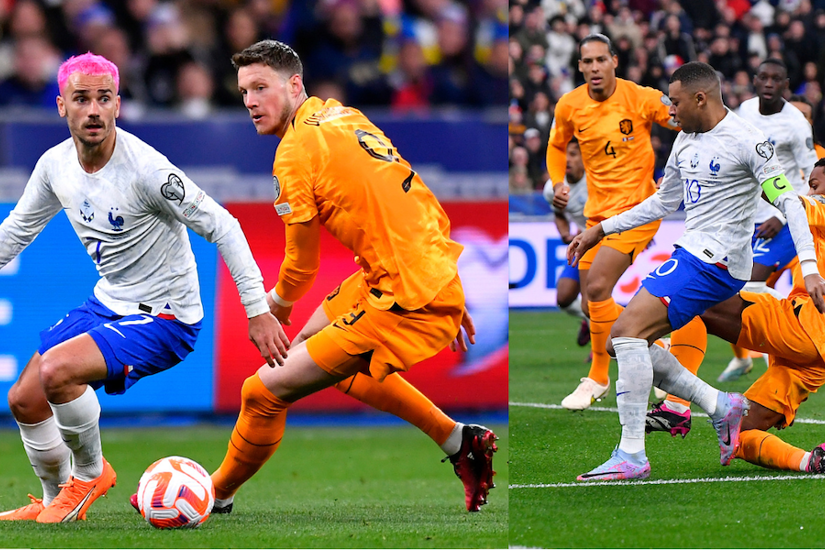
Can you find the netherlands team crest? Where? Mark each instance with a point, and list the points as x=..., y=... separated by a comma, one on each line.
x=626, y=126
x=277, y=185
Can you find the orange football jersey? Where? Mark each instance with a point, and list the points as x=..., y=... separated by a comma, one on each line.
x=335, y=164
x=614, y=137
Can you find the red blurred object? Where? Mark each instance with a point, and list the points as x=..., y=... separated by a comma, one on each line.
x=437, y=378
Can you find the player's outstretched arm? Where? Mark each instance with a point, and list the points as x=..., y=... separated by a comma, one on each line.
x=269, y=337
x=469, y=328
x=778, y=190
x=583, y=242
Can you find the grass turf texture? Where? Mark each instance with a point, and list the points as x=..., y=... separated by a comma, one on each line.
x=324, y=488
x=553, y=446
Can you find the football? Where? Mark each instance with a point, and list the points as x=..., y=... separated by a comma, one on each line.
x=175, y=492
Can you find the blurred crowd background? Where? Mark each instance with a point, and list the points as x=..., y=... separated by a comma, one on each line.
x=175, y=54
x=652, y=39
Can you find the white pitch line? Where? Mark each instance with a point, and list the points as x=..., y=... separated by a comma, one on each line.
x=587, y=484
x=615, y=410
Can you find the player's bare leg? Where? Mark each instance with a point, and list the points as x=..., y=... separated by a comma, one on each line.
x=64, y=372
x=48, y=455
x=597, y=284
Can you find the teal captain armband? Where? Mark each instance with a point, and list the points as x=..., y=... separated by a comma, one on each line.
x=776, y=186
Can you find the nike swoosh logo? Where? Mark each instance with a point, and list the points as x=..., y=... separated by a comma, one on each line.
x=726, y=440
x=72, y=516
x=584, y=129
x=622, y=393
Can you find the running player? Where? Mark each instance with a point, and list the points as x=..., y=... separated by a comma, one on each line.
x=790, y=135
x=718, y=166
x=130, y=207
x=611, y=118
x=334, y=168
x=567, y=285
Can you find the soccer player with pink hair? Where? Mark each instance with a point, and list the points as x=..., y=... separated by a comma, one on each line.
x=130, y=207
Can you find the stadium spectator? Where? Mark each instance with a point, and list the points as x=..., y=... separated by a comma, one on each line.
x=113, y=44
x=536, y=154
x=676, y=42
x=194, y=91
x=352, y=41
x=32, y=83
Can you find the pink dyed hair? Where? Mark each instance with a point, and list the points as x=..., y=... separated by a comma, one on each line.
x=90, y=64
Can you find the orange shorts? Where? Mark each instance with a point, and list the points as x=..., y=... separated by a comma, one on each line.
x=391, y=340
x=631, y=242
x=796, y=368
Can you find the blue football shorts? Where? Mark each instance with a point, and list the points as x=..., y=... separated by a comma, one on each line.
x=688, y=286
x=776, y=252
x=133, y=346
x=570, y=272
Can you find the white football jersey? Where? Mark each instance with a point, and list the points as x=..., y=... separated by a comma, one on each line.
x=719, y=175
x=131, y=216
x=792, y=140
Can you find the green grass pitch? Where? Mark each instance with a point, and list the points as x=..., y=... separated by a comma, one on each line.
x=341, y=487
x=551, y=446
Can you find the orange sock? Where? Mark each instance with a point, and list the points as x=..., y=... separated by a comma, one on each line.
x=256, y=436
x=397, y=396
x=688, y=345
x=602, y=316
x=764, y=449
x=739, y=353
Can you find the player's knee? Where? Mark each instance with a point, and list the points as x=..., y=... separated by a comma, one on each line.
x=598, y=289
x=257, y=398
x=26, y=404
x=55, y=374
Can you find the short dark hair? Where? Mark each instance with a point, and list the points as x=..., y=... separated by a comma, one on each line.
x=271, y=53
x=796, y=98
x=597, y=37
x=695, y=73
x=820, y=163
x=778, y=62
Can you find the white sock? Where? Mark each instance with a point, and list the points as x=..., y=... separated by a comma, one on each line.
x=676, y=407
x=575, y=308
x=803, y=466
x=761, y=287
x=632, y=389
x=671, y=376
x=224, y=502
x=453, y=443
x=78, y=423
x=48, y=455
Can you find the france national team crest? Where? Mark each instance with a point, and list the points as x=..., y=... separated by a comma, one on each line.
x=87, y=211
x=277, y=185
x=173, y=189
x=116, y=221
x=714, y=166
x=694, y=162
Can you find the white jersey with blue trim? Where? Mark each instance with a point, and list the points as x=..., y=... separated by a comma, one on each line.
x=719, y=174
x=790, y=134
x=131, y=216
